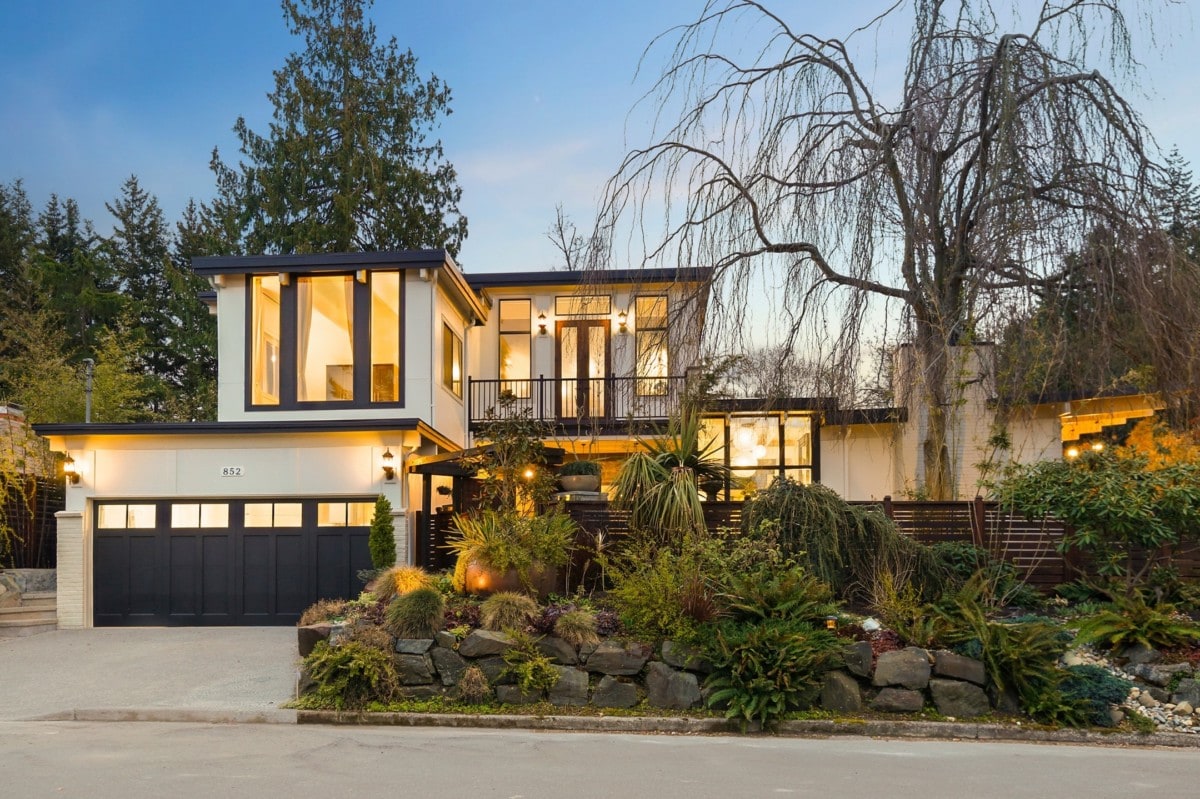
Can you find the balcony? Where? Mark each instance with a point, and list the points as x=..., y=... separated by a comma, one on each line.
x=601, y=404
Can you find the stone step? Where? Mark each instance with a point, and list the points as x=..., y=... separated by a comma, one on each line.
x=39, y=599
x=18, y=628
x=40, y=614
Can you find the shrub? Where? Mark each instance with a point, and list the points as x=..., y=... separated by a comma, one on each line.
x=503, y=539
x=571, y=468
x=1132, y=620
x=473, y=685
x=382, y=539
x=790, y=593
x=1021, y=658
x=532, y=669
x=1098, y=688
x=577, y=628
x=847, y=546
x=417, y=614
x=767, y=669
x=372, y=636
x=399, y=580
x=351, y=674
x=323, y=610
x=960, y=561
x=648, y=590
x=507, y=609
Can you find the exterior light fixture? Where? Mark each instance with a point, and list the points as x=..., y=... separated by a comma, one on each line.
x=1072, y=453
x=529, y=473
x=542, y=324
x=70, y=471
x=1097, y=446
x=623, y=322
x=388, y=461
x=831, y=622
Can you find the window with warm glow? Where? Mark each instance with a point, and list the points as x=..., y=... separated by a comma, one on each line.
x=653, y=363
x=515, y=353
x=452, y=360
x=318, y=339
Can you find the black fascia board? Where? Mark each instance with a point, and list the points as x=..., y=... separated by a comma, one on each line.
x=768, y=405
x=590, y=277
x=866, y=416
x=318, y=262
x=219, y=428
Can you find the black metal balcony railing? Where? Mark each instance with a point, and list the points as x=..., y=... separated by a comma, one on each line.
x=601, y=401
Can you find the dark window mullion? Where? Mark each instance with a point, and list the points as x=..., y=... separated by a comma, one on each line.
x=362, y=342
x=288, y=328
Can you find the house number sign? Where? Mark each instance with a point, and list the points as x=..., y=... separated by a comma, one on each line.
x=232, y=471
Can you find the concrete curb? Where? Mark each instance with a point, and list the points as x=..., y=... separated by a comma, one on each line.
x=820, y=728
x=672, y=725
x=179, y=715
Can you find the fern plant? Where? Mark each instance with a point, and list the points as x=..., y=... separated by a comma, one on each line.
x=1132, y=620
x=765, y=670
x=352, y=674
x=790, y=593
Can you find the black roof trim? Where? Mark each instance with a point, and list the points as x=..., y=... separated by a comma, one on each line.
x=595, y=277
x=220, y=428
x=866, y=416
x=768, y=404
x=318, y=262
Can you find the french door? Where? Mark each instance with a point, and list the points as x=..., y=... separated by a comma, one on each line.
x=584, y=364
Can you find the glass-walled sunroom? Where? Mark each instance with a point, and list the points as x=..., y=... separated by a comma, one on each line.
x=757, y=447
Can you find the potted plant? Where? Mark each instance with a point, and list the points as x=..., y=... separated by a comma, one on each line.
x=580, y=475
x=502, y=550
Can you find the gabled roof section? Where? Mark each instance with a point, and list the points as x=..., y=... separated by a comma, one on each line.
x=439, y=263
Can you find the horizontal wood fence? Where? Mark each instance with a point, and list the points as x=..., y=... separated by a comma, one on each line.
x=1030, y=545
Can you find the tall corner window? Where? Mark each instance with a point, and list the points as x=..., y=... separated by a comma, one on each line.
x=452, y=360
x=326, y=338
x=652, y=363
x=265, y=338
x=516, y=363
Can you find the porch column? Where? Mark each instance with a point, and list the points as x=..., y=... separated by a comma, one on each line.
x=74, y=557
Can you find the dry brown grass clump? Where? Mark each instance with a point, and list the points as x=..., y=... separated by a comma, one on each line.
x=324, y=610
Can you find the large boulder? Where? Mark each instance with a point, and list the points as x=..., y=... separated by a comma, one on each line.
x=558, y=650
x=840, y=693
x=484, y=643
x=308, y=636
x=513, y=695
x=618, y=659
x=668, y=688
x=413, y=646
x=611, y=692
x=449, y=664
x=962, y=700
x=958, y=667
x=898, y=700
x=858, y=657
x=908, y=667
x=682, y=656
x=571, y=688
x=414, y=669
x=1187, y=691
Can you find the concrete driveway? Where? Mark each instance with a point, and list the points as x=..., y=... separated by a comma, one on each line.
x=194, y=673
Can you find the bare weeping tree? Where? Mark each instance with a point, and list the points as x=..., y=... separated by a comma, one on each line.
x=939, y=188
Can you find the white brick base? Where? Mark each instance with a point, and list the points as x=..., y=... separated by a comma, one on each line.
x=73, y=556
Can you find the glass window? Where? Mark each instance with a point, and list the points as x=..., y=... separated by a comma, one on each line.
x=345, y=514
x=142, y=517
x=653, y=362
x=797, y=436
x=516, y=363
x=385, y=337
x=325, y=338
x=198, y=514
x=272, y=514
x=584, y=305
x=264, y=337
x=452, y=360
x=111, y=517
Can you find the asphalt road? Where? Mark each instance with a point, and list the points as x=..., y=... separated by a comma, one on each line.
x=102, y=760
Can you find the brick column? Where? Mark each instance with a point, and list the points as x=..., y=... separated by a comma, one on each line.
x=73, y=560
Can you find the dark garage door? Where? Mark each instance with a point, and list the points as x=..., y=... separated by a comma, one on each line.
x=225, y=562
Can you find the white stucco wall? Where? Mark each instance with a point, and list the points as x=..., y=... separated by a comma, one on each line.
x=858, y=461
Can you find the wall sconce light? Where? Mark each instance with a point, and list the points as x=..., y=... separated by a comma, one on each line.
x=1072, y=453
x=831, y=622
x=1097, y=446
x=542, y=324
x=70, y=471
x=622, y=322
x=388, y=461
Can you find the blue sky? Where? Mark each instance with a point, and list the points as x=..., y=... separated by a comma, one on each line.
x=91, y=92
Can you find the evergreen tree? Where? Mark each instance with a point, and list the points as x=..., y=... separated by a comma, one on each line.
x=347, y=164
x=196, y=343
x=382, y=538
x=1178, y=197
